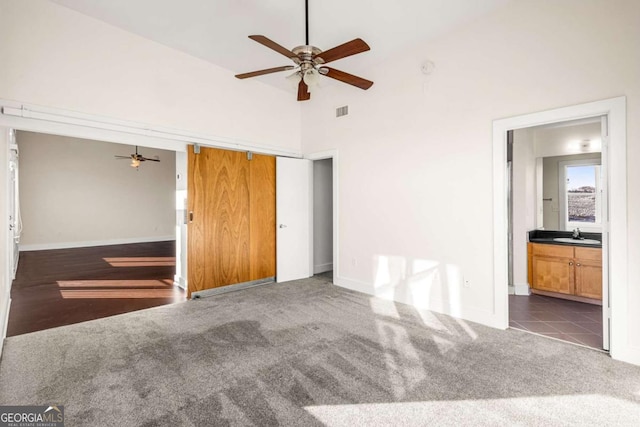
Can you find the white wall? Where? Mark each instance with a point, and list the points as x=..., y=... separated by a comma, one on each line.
x=55, y=57
x=524, y=194
x=322, y=215
x=415, y=174
x=73, y=193
x=551, y=187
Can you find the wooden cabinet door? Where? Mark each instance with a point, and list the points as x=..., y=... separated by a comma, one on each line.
x=588, y=263
x=589, y=278
x=553, y=274
x=552, y=268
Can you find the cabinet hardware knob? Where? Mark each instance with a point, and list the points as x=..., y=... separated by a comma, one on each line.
x=570, y=263
x=578, y=264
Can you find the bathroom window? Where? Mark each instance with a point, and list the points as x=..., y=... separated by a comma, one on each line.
x=581, y=195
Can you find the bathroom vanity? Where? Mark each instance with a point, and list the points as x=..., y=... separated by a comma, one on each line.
x=565, y=267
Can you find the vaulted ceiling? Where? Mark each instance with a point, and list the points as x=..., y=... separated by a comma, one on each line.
x=217, y=30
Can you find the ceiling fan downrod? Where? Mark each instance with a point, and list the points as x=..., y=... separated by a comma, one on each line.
x=306, y=22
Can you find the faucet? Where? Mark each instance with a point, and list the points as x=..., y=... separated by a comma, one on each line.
x=576, y=234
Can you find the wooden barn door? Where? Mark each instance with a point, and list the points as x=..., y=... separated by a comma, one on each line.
x=231, y=231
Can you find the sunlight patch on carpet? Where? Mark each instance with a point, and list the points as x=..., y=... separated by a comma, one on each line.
x=570, y=409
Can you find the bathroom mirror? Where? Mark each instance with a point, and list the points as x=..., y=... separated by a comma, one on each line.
x=568, y=179
x=571, y=192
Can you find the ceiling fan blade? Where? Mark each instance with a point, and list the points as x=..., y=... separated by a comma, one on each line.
x=144, y=159
x=347, y=49
x=273, y=46
x=346, y=78
x=267, y=71
x=123, y=157
x=303, y=91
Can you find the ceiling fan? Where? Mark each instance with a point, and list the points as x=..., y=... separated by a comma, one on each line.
x=309, y=62
x=136, y=159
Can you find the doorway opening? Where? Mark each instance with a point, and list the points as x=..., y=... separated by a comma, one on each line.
x=556, y=268
x=325, y=228
x=98, y=233
x=323, y=218
x=615, y=310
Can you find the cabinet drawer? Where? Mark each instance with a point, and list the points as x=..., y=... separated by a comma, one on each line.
x=594, y=254
x=540, y=249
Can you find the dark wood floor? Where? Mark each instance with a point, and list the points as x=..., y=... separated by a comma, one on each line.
x=65, y=286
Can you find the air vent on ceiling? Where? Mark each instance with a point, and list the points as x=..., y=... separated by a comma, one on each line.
x=342, y=111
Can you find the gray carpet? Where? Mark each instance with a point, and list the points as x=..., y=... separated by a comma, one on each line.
x=310, y=353
x=327, y=275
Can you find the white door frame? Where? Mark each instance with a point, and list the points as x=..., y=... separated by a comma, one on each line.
x=322, y=155
x=5, y=272
x=14, y=204
x=614, y=155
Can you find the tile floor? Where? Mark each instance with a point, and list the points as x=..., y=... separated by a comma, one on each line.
x=571, y=321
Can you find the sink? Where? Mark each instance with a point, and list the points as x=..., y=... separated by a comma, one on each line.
x=570, y=240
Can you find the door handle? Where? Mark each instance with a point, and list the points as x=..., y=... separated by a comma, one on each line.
x=283, y=226
x=191, y=216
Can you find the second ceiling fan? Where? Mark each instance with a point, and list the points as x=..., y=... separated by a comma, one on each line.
x=310, y=61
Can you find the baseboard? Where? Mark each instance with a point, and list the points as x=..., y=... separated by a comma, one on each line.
x=353, y=285
x=321, y=268
x=5, y=319
x=567, y=297
x=472, y=314
x=180, y=281
x=521, y=288
x=88, y=244
x=629, y=355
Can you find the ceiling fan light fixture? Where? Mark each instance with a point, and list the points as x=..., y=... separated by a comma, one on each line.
x=307, y=58
x=311, y=77
x=294, y=79
x=135, y=163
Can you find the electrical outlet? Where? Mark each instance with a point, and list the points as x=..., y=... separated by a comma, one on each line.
x=467, y=283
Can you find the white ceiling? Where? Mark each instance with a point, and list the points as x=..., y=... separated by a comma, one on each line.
x=572, y=131
x=571, y=137
x=217, y=30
